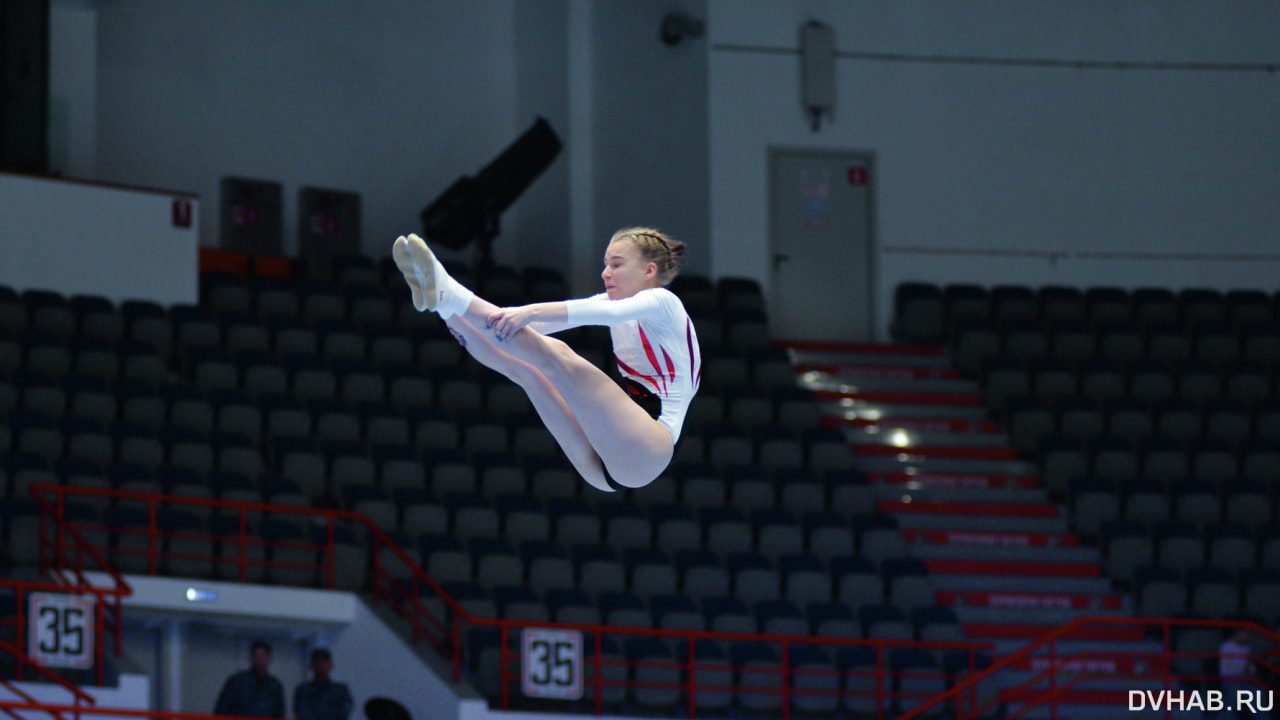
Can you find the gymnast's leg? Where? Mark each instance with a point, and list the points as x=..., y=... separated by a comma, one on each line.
x=551, y=408
x=633, y=446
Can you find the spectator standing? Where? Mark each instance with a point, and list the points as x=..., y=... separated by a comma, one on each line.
x=322, y=698
x=1235, y=668
x=253, y=692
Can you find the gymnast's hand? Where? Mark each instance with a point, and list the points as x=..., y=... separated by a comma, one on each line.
x=506, y=322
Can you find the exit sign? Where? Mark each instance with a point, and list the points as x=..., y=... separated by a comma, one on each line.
x=857, y=175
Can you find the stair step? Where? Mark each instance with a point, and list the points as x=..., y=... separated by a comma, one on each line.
x=953, y=480
x=1085, y=711
x=1145, y=648
x=919, y=425
x=998, y=539
x=879, y=370
x=1023, y=584
x=943, y=466
x=947, y=452
x=909, y=507
x=831, y=392
x=906, y=380
x=1101, y=699
x=850, y=409
x=1006, y=554
x=1093, y=663
x=1030, y=600
x=980, y=523
x=902, y=438
x=814, y=352
x=1005, y=495
x=1015, y=567
x=1029, y=631
x=1048, y=617
x=1114, y=700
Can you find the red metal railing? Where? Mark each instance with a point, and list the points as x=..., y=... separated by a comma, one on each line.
x=13, y=708
x=65, y=556
x=397, y=578
x=152, y=552
x=781, y=683
x=1064, y=675
x=436, y=617
x=79, y=697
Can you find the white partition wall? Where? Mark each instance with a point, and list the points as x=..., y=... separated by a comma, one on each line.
x=87, y=239
x=132, y=693
x=1077, y=143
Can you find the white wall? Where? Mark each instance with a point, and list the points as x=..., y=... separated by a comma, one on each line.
x=394, y=104
x=188, y=648
x=377, y=662
x=73, y=90
x=539, y=223
x=214, y=653
x=987, y=173
x=650, y=130
x=131, y=694
x=80, y=238
x=979, y=163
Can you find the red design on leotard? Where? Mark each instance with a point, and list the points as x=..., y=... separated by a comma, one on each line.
x=653, y=359
x=693, y=361
x=627, y=369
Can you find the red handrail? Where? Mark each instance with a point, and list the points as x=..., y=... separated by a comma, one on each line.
x=15, y=706
x=77, y=694
x=1049, y=640
x=52, y=557
x=404, y=592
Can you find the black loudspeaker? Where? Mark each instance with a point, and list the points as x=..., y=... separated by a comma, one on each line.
x=455, y=218
x=24, y=95
x=250, y=216
x=328, y=226
x=512, y=172
x=468, y=210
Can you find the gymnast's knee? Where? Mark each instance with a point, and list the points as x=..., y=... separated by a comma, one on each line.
x=559, y=358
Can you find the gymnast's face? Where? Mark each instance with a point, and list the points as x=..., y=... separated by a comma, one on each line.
x=625, y=271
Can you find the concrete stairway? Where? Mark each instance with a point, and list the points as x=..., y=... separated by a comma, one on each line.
x=999, y=552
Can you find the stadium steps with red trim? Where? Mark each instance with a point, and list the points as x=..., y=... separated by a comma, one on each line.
x=999, y=552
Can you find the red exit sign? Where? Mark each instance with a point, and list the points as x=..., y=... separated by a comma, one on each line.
x=857, y=175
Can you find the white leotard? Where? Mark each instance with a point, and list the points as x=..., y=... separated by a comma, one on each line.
x=654, y=344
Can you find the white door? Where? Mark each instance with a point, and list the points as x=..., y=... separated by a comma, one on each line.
x=821, y=245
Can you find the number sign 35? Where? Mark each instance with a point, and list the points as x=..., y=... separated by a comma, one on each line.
x=551, y=663
x=61, y=630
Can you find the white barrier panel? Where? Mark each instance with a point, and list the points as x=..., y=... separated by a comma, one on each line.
x=86, y=239
x=133, y=693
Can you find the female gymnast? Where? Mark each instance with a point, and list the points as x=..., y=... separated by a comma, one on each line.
x=624, y=433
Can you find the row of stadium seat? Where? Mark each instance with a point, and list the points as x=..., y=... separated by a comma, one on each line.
x=1242, y=504
x=1151, y=413
x=1208, y=592
x=974, y=342
x=278, y=306
x=1064, y=459
x=926, y=312
x=1032, y=417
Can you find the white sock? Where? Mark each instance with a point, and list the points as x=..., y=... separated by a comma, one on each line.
x=457, y=298
x=453, y=297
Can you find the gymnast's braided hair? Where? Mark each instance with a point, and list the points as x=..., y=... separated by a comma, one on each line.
x=655, y=247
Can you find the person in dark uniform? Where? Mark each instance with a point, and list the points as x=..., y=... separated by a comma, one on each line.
x=253, y=692
x=322, y=698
